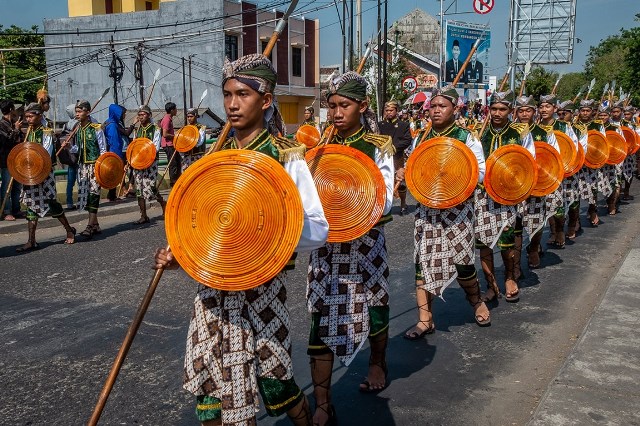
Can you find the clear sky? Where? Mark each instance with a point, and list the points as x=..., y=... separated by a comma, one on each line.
x=595, y=20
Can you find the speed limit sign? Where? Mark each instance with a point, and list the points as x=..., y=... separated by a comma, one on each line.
x=409, y=84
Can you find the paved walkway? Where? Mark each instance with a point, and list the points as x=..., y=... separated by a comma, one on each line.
x=600, y=381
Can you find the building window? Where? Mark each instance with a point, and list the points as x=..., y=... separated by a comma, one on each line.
x=148, y=5
x=231, y=47
x=296, y=61
x=108, y=6
x=264, y=46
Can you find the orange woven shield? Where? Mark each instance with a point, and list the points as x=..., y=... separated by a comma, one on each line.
x=577, y=165
x=308, y=135
x=568, y=151
x=550, y=170
x=29, y=163
x=617, y=147
x=511, y=174
x=441, y=172
x=109, y=170
x=186, y=138
x=141, y=153
x=632, y=139
x=233, y=219
x=597, y=150
x=351, y=189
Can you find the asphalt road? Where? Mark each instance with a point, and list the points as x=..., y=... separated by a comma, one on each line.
x=64, y=311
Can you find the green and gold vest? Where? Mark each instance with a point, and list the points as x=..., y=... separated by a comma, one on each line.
x=87, y=142
x=147, y=131
x=511, y=134
x=37, y=135
x=540, y=133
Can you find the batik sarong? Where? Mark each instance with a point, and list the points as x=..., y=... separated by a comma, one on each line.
x=344, y=281
x=443, y=239
x=233, y=338
x=36, y=197
x=188, y=160
x=87, y=184
x=533, y=213
x=491, y=218
x=146, y=182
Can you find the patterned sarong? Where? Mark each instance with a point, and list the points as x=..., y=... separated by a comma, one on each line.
x=233, y=338
x=188, y=160
x=36, y=197
x=146, y=182
x=533, y=213
x=344, y=280
x=570, y=190
x=587, y=184
x=603, y=183
x=443, y=239
x=628, y=167
x=491, y=218
x=87, y=184
x=553, y=202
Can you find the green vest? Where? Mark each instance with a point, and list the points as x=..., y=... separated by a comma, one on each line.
x=87, y=142
x=610, y=126
x=538, y=133
x=36, y=135
x=146, y=132
x=453, y=131
x=511, y=134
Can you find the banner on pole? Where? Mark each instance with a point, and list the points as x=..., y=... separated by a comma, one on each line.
x=460, y=39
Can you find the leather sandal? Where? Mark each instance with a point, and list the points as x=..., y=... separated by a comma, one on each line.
x=88, y=232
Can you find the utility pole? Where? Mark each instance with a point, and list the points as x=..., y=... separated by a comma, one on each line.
x=384, y=64
x=138, y=72
x=184, y=92
x=351, y=35
x=379, y=68
x=190, y=83
x=344, y=36
x=359, y=28
x=113, y=71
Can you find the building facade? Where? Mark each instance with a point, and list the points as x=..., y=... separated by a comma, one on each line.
x=131, y=41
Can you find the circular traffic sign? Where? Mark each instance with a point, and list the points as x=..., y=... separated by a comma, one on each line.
x=409, y=84
x=483, y=6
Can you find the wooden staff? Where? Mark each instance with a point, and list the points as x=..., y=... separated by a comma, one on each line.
x=282, y=23
x=6, y=195
x=144, y=305
x=487, y=118
x=77, y=127
x=555, y=86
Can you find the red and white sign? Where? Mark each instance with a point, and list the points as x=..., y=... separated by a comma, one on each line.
x=483, y=6
x=409, y=84
x=427, y=81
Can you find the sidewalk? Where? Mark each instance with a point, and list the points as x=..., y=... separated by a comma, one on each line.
x=107, y=208
x=600, y=380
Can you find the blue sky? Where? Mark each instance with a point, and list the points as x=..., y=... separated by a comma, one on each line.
x=590, y=25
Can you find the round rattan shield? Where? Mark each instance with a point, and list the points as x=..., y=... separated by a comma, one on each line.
x=109, y=170
x=308, y=135
x=550, y=170
x=511, y=174
x=141, y=153
x=632, y=139
x=597, y=150
x=617, y=147
x=568, y=151
x=29, y=163
x=233, y=219
x=441, y=172
x=186, y=138
x=577, y=165
x=351, y=189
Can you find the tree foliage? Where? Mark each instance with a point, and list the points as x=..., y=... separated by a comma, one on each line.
x=17, y=66
x=540, y=82
x=397, y=70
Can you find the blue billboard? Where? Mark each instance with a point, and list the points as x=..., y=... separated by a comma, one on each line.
x=459, y=41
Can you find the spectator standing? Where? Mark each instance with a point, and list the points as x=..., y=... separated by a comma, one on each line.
x=69, y=159
x=10, y=136
x=166, y=143
x=115, y=134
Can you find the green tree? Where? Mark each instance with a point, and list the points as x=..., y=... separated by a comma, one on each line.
x=18, y=66
x=397, y=70
x=540, y=81
x=570, y=84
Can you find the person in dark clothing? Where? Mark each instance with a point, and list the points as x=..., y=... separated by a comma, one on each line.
x=401, y=135
x=10, y=136
x=167, y=133
x=116, y=136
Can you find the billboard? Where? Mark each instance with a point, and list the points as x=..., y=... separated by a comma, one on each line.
x=459, y=41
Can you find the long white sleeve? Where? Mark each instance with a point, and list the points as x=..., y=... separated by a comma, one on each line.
x=316, y=227
x=102, y=144
x=476, y=147
x=584, y=141
x=385, y=164
x=551, y=140
x=573, y=136
x=156, y=139
x=201, y=137
x=47, y=142
x=529, y=145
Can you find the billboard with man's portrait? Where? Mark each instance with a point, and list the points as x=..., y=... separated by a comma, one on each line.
x=460, y=39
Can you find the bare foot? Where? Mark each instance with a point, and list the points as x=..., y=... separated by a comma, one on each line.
x=376, y=379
